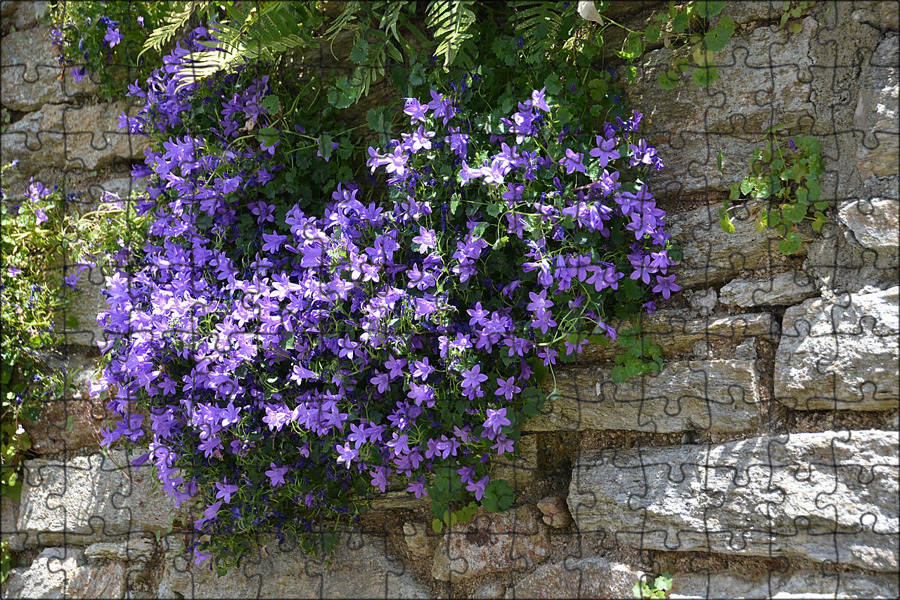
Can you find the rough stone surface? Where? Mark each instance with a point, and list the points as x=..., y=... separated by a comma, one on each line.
x=828, y=496
x=840, y=354
x=63, y=573
x=712, y=256
x=782, y=289
x=361, y=568
x=555, y=512
x=875, y=223
x=9, y=511
x=703, y=302
x=512, y=541
x=84, y=306
x=71, y=138
x=521, y=468
x=90, y=499
x=712, y=395
x=30, y=74
x=736, y=110
x=877, y=111
x=137, y=549
x=418, y=541
x=578, y=578
x=676, y=334
x=798, y=584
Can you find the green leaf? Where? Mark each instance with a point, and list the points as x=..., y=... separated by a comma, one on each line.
x=652, y=32
x=717, y=38
x=815, y=190
x=271, y=103
x=790, y=244
x=680, y=22
x=705, y=76
x=794, y=213
x=324, y=143
x=819, y=222
x=726, y=225
x=668, y=80
x=719, y=160
x=706, y=9
x=598, y=89
x=437, y=525
x=360, y=51
x=498, y=496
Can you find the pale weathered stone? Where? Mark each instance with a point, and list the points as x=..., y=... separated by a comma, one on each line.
x=72, y=138
x=85, y=303
x=712, y=395
x=776, y=584
x=9, y=513
x=828, y=496
x=555, y=512
x=760, y=80
x=360, y=568
x=520, y=468
x=782, y=289
x=135, y=549
x=877, y=111
x=418, y=540
x=31, y=76
x=712, y=256
x=702, y=302
x=840, y=263
x=676, y=334
x=90, y=499
x=591, y=577
x=875, y=224
x=515, y=540
x=63, y=573
x=840, y=354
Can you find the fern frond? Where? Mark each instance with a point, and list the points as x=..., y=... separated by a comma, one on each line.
x=452, y=22
x=347, y=16
x=538, y=22
x=179, y=16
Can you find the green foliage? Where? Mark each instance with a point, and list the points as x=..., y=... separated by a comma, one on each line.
x=639, y=358
x=452, y=22
x=7, y=560
x=688, y=30
x=792, y=13
x=46, y=243
x=658, y=588
x=786, y=177
x=81, y=30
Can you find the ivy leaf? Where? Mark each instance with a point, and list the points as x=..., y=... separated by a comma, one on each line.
x=717, y=38
x=790, y=244
x=706, y=9
x=360, y=51
x=668, y=80
x=705, y=76
x=652, y=32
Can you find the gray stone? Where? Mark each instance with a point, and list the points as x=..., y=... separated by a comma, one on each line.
x=63, y=573
x=71, y=138
x=702, y=302
x=840, y=354
x=712, y=256
x=30, y=74
x=676, y=334
x=85, y=304
x=875, y=224
x=418, y=540
x=877, y=111
x=591, y=577
x=361, y=568
x=136, y=549
x=555, y=512
x=797, y=584
x=713, y=395
x=840, y=264
x=9, y=514
x=90, y=499
x=827, y=497
x=515, y=540
x=782, y=289
x=746, y=350
x=492, y=589
x=765, y=76
x=520, y=468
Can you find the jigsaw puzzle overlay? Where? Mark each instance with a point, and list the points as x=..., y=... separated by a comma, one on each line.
x=761, y=461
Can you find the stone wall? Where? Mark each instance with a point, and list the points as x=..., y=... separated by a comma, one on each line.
x=762, y=461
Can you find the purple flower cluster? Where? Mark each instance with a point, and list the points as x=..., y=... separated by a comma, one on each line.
x=289, y=362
